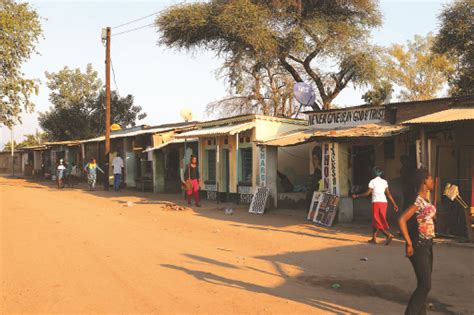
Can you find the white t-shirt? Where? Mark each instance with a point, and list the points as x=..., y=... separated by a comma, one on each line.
x=117, y=164
x=378, y=186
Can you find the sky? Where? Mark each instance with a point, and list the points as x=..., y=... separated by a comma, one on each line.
x=161, y=80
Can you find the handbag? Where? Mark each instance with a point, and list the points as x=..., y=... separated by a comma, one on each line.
x=188, y=185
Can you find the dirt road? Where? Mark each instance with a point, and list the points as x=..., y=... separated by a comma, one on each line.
x=74, y=251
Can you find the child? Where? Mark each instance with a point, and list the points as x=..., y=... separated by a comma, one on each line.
x=378, y=188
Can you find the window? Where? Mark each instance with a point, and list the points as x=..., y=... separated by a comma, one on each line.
x=246, y=160
x=211, y=164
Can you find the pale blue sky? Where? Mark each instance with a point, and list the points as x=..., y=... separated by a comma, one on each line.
x=161, y=80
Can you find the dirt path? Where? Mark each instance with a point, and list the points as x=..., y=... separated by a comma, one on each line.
x=73, y=251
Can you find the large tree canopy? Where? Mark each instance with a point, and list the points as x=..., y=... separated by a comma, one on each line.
x=419, y=73
x=324, y=42
x=78, y=110
x=456, y=38
x=20, y=30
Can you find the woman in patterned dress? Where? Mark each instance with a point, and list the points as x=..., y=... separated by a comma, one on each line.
x=418, y=229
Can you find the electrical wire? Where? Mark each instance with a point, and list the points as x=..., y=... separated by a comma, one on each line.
x=113, y=73
x=136, y=20
x=133, y=29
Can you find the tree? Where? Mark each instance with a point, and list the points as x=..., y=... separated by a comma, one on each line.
x=324, y=42
x=456, y=38
x=122, y=111
x=256, y=88
x=20, y=30
x=418, y=72
x=78, y=110
x=30, y=140
x=70, y=87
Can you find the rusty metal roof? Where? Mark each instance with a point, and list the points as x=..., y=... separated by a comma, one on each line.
x=444, y=116
x=361, y=131
x=217, y=131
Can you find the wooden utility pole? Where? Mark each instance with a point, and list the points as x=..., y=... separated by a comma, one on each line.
x=107, y=108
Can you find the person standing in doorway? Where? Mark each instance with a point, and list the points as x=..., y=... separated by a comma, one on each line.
x=91, y=170
x=418, y=229
x=378, y=188
x=191, y=174
x=117, y=166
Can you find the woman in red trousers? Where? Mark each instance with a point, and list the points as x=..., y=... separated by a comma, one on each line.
x=378, y=188
x=192, y=174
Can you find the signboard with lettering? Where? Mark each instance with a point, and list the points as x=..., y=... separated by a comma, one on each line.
x=263, y=166
x=346, y=118
x=326, y=210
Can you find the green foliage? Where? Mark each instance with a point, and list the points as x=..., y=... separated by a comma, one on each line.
x=302, y=37
x=71, y=86
x=418, y=72
x=20, y=30
x=30, y=140
x=456, y=38
x=78, y=110
x=379, y=94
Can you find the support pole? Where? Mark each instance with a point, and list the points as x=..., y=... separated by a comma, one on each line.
x=107, y=108
x=12, y=148
x=424, y=148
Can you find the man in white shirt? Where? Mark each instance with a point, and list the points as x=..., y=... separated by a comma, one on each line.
x=378, y=188
x=117, y=166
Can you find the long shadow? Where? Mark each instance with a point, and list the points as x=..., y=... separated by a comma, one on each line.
x=323, y=283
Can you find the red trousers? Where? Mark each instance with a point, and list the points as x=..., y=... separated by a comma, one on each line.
x=379, y=215
x=194, y=191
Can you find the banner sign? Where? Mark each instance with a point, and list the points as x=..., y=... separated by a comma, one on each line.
x=346, y=118
x=263, y=166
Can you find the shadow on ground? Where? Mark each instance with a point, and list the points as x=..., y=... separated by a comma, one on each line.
x=316, y=284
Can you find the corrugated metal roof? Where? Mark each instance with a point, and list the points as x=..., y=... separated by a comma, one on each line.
x=174, y=141
x=68, y=142
x=217, y=131
x=130, y=134
x=445, y=116
x=361, y=131
x=34, y=148
x=248, y=118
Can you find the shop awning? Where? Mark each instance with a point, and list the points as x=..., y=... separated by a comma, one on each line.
x=445, y=116
x=217, y=131
x=362, y=131
x=174, y=141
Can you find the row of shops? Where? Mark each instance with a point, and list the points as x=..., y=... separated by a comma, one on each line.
x=333, y=150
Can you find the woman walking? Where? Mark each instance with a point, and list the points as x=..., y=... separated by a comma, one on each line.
x=417, y=227
x=191, y=174
x=378, y=188
x=91, y=170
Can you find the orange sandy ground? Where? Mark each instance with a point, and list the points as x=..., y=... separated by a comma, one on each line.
x=74, y=251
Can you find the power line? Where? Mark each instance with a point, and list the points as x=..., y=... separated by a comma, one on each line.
x=113, y=73
x=139, y=19
x=134, y=29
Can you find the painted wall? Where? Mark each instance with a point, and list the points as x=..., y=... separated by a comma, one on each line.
x=294, y=162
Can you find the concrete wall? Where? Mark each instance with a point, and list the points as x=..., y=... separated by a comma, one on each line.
x=294, y=162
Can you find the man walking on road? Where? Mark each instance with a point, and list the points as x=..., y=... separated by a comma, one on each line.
x=117, y=166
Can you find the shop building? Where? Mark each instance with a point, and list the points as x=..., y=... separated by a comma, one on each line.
x=230, y=163
x=345, y=144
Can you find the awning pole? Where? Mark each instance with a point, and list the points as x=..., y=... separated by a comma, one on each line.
x=237, y=163
x=218, y=173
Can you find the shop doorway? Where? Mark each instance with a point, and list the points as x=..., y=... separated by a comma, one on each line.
x=363, y=163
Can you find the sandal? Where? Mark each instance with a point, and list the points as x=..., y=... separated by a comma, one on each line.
x=372, y=241
x=389, y=239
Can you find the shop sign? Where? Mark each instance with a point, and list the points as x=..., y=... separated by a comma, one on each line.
x=326, y=178
x=333, y=155
x=263, y=166
x=330, y=168
x=346, y=118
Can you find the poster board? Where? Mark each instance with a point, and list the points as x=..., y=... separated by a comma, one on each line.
x=315, y=201
x=326, y=210
x=259, y=200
